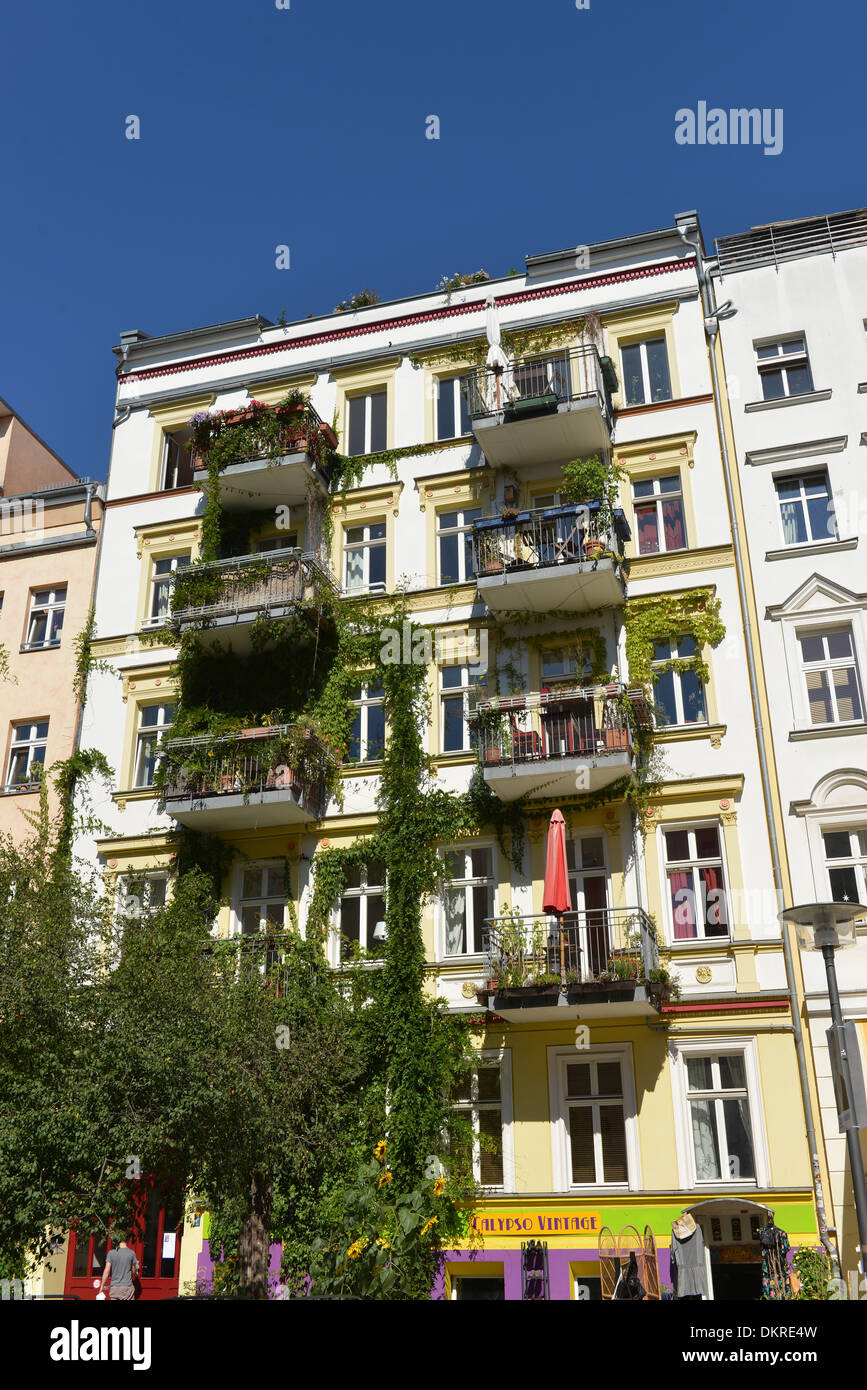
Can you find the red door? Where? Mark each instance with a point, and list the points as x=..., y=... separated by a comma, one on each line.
x=155, y=1226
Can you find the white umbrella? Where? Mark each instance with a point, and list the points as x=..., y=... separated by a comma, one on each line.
x=496, y=361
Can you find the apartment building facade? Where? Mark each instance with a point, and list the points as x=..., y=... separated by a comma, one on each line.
x=796, y=366
x=572, y=637
x=49, y=530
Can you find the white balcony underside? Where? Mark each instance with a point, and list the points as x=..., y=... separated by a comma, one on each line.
x=231, y=811
x=557, y=777
x=575, y=429
x=560, y=1009
x=234, y=627
x=573, y=587
x=260, y=483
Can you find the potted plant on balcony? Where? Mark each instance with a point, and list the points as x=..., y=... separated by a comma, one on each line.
x=594, y=480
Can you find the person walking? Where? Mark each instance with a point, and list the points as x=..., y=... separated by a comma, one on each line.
x=122, y=1265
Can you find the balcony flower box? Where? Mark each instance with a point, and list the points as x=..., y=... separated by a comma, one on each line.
x=530, y=405
x=616, y=738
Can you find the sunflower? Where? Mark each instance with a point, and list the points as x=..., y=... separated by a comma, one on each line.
x=433, y=1221
x=439, y=1187
x=379, y=1151
x=354, y=1250
x=386, y=1177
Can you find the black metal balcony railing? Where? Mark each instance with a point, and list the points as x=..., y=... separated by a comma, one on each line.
x=600, y=945
x=247, y=584
x=532, y=384
x=580, y=722
x=543, y=537
x=203, y=768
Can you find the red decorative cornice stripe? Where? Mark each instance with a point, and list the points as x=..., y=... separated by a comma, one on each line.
x=407, y=320
x=727, y=1008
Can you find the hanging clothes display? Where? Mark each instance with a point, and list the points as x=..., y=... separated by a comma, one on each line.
x=774, y=1243
x=688, y=1267
x=629, y=1287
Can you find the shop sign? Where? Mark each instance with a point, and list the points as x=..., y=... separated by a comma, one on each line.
x=538, y=1223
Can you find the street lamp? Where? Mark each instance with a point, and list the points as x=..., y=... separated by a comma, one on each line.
x=830, y=927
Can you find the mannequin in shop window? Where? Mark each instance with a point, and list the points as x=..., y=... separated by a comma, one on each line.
x=688, y=1267
x=776, y=1282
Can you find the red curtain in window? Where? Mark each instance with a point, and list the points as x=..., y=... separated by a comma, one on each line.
x=682, y=905
x=716, y=917
x=648, y=538
x=672, y=521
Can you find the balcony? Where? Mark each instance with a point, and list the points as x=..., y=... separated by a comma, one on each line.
x=253, y=480
x=252, y=779
x=555, y=559
x=262, y=955
x=555, y=743
x=542, y=409
x=229, y=595
x=598, y=963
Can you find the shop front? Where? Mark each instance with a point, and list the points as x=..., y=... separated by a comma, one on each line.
x=155, y=1237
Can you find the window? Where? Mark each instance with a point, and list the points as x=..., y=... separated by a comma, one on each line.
x=262, y=901
x=27, y=754
x=141, y=893
x=453, y=416
x=177, y=459
x=154, y=721
x=468, y=899
x=646, y=377
x=161, y=587
x=784, y=368
x=362, y=909
x=289, y=541
x=806, y=508
x=364, y=549
x=456, y=683
x=478, y=1100
x=846, y=862
x=46, y=618
x=367, y=732
x=368, y=422
x=831, y=672
x=563, y=665
x=659, y=517
x=719, y=1118
x=588, y=876
x=696, y=883
x=595, y=1122
x=455, y=544
x=679, y=694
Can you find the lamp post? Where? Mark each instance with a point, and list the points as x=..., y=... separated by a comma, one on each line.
x=830, y=927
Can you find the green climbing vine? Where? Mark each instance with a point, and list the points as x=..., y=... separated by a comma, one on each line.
x=85, y=661
x=660, y=617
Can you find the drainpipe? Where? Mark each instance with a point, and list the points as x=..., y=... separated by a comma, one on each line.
x=711, y=327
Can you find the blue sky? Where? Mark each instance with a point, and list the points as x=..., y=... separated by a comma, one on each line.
x=306, y=127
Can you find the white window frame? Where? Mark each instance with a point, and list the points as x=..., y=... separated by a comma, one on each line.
x=153, y=619
x=363, y=705
x=801, y=478
x=501, y=1057
x=830, y=605
x=858, y=861
x=50, y=609
x=33, y=741
x=271, y=543
x=454, y=692
x=680, y=704
x=678, y=1052
x=656, y=499
x=830, y=664
x=366, y=928
x=462, y=529
x=365, y=545
x=457, y=381
x=368, y=418
x=468, y=883
x=239, y=901
x=153, y=731
x=765, y=366
x=561, y=1162
x=700, y=942
x=145, y=878
x=641, y=344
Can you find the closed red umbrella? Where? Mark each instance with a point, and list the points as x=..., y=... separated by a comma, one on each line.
x=555, y=893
